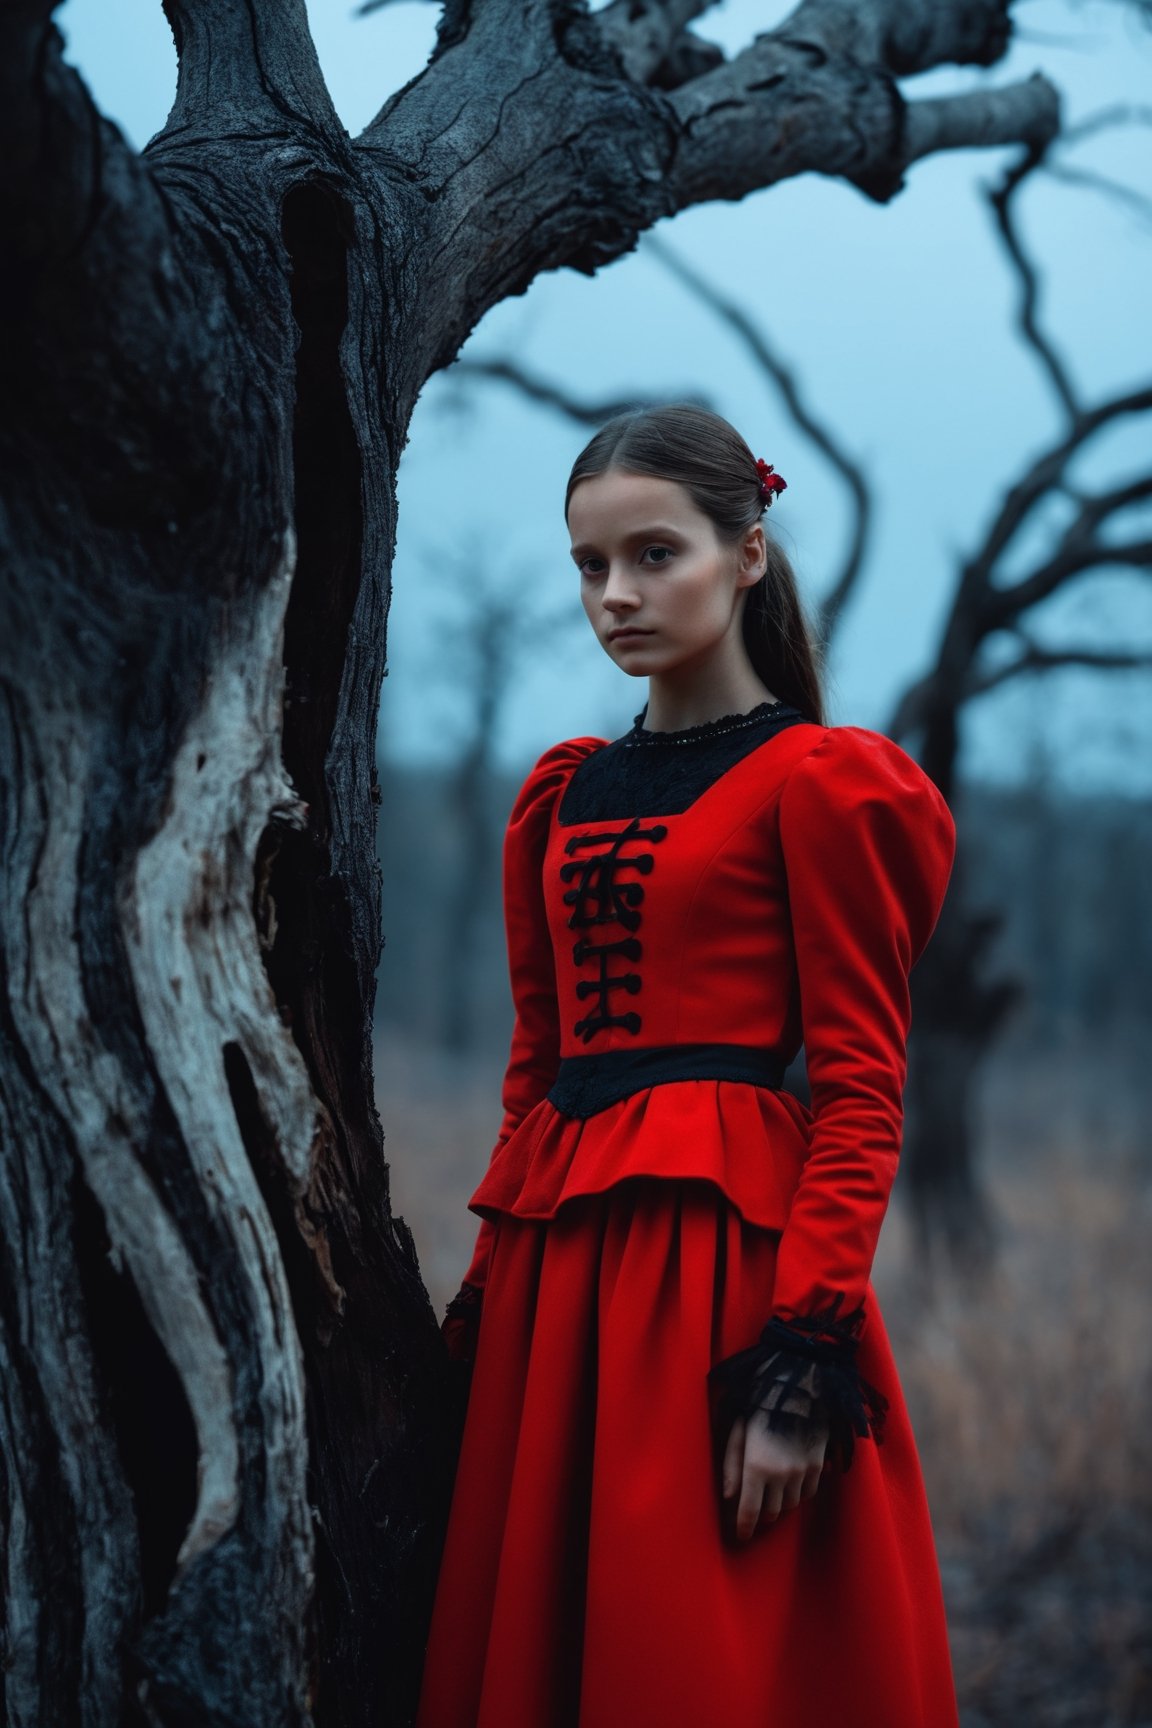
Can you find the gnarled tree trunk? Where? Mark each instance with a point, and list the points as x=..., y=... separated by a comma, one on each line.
x=225, y=1426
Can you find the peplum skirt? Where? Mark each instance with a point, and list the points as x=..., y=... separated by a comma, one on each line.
x=588, y=1578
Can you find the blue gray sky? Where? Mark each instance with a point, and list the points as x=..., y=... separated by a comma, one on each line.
x=898, y=323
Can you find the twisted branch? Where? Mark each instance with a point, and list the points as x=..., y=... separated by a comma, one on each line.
x=550, y=394
x=985, y=603
x=1034, y=658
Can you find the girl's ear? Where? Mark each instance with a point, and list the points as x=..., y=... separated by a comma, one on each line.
x=753, y=556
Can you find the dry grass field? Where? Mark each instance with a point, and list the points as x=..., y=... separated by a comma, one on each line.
x=1030, y=1388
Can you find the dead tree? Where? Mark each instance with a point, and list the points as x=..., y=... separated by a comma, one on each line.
x=222, y=1379
x=959, y=1006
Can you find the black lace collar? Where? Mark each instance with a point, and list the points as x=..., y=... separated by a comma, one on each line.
x=705, y=729
x=636, y=775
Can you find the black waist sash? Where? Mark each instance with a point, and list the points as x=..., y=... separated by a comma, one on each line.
x=586, y=1084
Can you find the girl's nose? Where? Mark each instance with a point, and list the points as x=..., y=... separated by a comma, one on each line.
x=617, y=595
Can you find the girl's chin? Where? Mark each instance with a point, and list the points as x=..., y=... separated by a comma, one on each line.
x=627, y=651
x=635, y=665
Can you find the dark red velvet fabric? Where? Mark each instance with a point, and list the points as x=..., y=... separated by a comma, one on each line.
x=786, y=905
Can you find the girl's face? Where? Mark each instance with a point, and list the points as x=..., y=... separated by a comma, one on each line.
x=660, y=589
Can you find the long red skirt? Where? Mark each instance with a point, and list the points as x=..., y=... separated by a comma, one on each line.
x=587, y=1580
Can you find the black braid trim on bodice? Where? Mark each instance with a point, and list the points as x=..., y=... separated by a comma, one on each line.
x=663, y=773
x=600, y=896
x=628, y=781
x=802, y=1375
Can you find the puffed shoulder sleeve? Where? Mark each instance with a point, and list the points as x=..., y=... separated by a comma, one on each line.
x=535, y=1049
x=868, y=843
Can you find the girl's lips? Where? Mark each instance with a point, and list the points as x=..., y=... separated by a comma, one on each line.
x=623, y=635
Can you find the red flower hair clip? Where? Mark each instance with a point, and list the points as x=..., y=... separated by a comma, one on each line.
x=770, y=481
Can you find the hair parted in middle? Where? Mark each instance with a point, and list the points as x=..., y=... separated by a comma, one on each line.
x=705, y=454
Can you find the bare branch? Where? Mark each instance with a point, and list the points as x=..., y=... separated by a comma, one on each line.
x=1119, y=114
x=1096, y=506
x=249, y=68
x=552, y=395
x=750, y=123
x=787, y=101
x=1026, y=113
x=1115, y=189
x=1079, y=550
x=980, y=607
x=526, y=146
x=1001, y=199
x=1045, y=473
x=907, y=36
x=1075, y=557
x=774, y=368
x=1034, y=658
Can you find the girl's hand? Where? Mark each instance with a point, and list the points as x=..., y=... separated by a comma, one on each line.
x=766, y=1474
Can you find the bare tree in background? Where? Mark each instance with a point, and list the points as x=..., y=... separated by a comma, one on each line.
x=489, y=629
x=221, y=1434
x=960, y=1008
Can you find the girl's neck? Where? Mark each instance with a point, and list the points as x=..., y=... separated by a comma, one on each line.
x=672, y=706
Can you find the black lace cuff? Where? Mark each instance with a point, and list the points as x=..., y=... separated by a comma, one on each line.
x=461, y=1323
x=802, y=1375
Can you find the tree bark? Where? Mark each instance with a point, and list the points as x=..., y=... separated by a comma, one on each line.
x=226, y=1427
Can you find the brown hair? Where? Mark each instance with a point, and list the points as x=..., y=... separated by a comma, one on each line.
x=707, y=456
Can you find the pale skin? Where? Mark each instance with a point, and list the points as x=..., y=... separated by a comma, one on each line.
x=650, y=560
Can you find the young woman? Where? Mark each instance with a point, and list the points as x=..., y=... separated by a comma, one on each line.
x=688, y=1494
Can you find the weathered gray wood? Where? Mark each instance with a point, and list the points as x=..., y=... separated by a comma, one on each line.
x=225, y=1427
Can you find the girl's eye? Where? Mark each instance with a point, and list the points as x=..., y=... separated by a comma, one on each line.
x=654, y=556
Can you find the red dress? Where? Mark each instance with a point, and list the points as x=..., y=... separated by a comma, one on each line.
x=640, y=1227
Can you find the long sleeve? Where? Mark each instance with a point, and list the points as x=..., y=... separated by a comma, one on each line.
x=868, y=844
x=534, y=1055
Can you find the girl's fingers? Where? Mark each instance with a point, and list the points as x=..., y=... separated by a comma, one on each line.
x=733, y=1469
x=792, y=1494
x=748, y=1510
x=762, y=1492
x=773, y=1502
